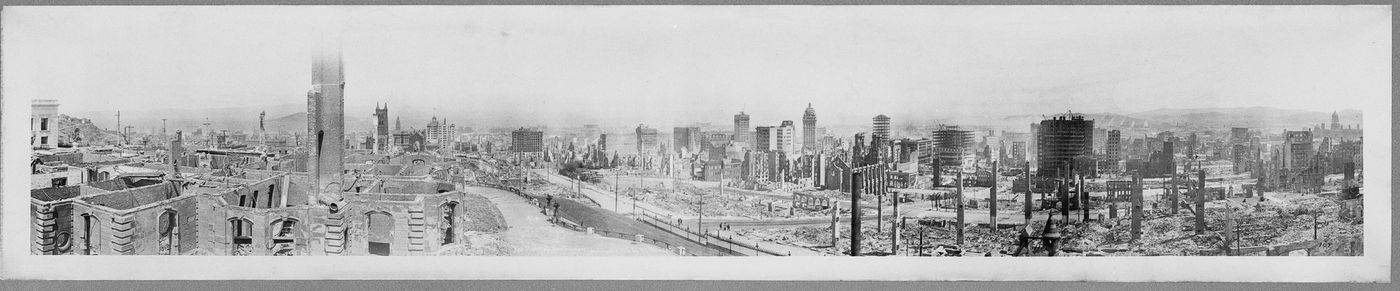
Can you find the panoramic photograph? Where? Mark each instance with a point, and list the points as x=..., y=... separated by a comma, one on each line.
x=971, y=131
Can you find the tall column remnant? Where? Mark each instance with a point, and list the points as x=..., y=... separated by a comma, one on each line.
x=857, y=185
x=326, y=124
x=1201, y=204
x=1029, y=190
x=1136, y=198
x=992, y=198
x=961, y=223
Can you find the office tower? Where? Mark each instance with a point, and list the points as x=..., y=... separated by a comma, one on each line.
x=809, y=130
x=953, y=146
x=1113, y=150
x=765, y=139
x=526, y=140
x=1062, y=140
x=741, y=129
x=786, y=138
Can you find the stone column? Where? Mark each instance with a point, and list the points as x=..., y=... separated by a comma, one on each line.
x=857, y=185
x=961, y=222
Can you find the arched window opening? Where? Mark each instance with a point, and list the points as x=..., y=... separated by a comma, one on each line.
x=271, y=190
x=242, y=200
x=283, y=234
x=254, y=202
x=241, y=232
x=449, y=223
x=169, y=234
x=381, y=228
x=92, y=235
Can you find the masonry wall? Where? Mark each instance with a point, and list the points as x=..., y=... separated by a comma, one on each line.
x=111, y=235
x=145, y=226
x=45, y=180
x=261, y=189
x=49, y=219
x=407, y=220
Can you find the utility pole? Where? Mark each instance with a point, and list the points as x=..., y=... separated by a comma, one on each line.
x=120, y=129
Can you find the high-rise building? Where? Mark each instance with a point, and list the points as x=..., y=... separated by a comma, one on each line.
x=1242, y=149
x=953, y=146
x=741, y=129
x=1113, y=150
x=1063, y=140
x=765, y=139
x=881, y=129
x=41, y=123
x=1191, y=145
x=1298, y=149
x=786, y=141
x=326, y=125
x=1018, y=152
x=809, y=130
x=525, y=140
x=1033, y=146
x=686, y=139
x=647, y=142
x=441, y=134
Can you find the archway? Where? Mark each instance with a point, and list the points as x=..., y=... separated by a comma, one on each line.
x=381, y=228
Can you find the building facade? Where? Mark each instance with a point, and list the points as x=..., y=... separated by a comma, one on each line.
x=526, y=140
x=41, y=123
x=741, y=129
x=1064, y=140
x=647, y=142
x=809, y=130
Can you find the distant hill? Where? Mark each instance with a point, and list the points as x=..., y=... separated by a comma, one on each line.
x=1101, y=120
x=297, y=122
x=292, y=118
x=1256, y=117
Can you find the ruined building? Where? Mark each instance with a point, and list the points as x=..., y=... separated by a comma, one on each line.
x=402, y=207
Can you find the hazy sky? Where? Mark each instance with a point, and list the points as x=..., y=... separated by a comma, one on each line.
x=666, y=65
